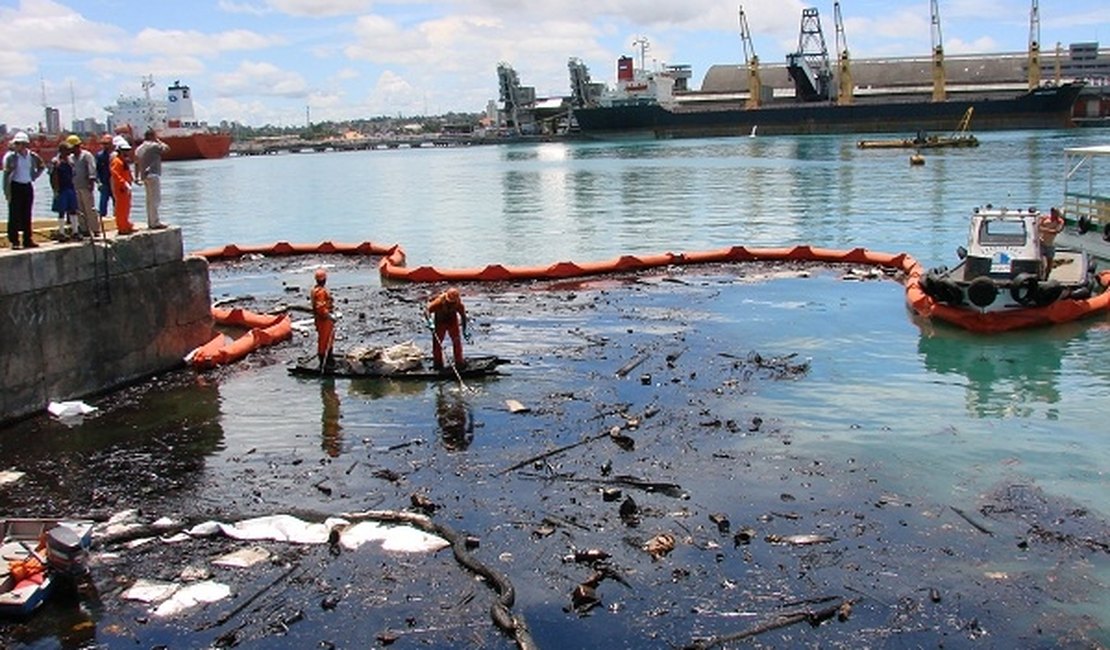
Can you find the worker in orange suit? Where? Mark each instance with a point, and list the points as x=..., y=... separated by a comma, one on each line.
x=445, y=314
x=324, y=318
x=122, y=182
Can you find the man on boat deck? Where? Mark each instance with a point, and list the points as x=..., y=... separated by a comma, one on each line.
x=1048, y=226
x=323, y=318
x=449, y=314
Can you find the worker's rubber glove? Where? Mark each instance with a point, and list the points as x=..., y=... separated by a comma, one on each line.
x=466, y=336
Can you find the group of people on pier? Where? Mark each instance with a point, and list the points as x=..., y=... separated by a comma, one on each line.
x=74, y=173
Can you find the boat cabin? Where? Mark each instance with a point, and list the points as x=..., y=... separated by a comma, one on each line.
x=1002, y=243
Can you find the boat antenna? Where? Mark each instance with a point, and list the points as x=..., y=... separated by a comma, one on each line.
x=641, y=42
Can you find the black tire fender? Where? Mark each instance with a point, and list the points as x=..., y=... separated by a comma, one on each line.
x=1083, y=224
x=982, y=291
x=948, y=291
x=1023, y=289
x=1048, y=292
x=1106, y=232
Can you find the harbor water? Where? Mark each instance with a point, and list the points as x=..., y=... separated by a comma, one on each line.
x=944, y=416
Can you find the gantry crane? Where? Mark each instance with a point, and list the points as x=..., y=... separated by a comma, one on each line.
x=844, y=73
x=938, y=55
x=1034, y=47
x=751, y=60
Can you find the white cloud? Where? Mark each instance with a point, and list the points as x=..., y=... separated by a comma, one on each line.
x=318, y=8
x=44, y=24
x=260, y=78
x=196, y=43
x=242, y=8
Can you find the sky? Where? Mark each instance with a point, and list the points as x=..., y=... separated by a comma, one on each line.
x=287, y=62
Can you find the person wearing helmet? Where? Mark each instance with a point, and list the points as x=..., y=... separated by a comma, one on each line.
x=122, y=182
x=104, y=173
x=324, y=318
x=22, y=167
x=84, y=180
x=445, y=314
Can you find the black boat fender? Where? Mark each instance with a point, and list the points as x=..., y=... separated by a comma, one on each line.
x=982, y=291
x=948, y=291
x=1083, y=225
x=1023, y=289
x=1048, y=292
x=1106, y=232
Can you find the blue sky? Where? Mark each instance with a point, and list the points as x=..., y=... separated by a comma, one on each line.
x=266, y=61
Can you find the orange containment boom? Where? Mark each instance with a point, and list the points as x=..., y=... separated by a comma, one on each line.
x=392, y=266
x=281, y=248
x=264, y=330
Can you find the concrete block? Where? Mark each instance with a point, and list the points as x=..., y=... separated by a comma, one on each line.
x=15, y=272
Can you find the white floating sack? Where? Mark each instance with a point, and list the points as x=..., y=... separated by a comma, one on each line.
x=192, y=595
x=69, y=409
x=399, y=539
x=150, y=591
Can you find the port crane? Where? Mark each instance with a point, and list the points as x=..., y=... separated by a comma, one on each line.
x=751, y=60
x=1035, y=46
x=809, y=67
x=844, y=93
x=938, y=54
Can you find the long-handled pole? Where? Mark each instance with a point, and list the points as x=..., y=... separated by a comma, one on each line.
x=458, y=376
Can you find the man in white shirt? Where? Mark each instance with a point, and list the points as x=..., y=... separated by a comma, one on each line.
x=148, y=165
x=21, y=168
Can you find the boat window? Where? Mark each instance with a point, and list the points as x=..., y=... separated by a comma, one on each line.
x=1002, y=233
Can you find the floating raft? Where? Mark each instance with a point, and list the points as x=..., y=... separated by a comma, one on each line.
x=481, y=366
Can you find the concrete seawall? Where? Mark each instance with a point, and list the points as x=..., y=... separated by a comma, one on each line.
x=80, y=319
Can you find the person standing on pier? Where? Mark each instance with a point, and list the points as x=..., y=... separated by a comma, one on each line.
x=21, y=168
x=65, y=195
x=323, y=317
x=122, y=182
x=104, y=173
x=84, y=180
x=445, y=314
x=148, y=165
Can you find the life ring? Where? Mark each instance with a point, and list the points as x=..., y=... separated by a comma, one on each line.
x=1024, y=289
x=1048, y=292
x=1083, y=224
x=982, y=291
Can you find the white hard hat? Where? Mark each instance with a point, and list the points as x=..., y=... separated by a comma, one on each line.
x=121, y=142
x=20, y=137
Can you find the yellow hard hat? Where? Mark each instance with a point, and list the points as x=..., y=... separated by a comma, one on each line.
x=73, y=140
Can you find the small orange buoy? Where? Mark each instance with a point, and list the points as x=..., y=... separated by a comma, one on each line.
x=917, y=159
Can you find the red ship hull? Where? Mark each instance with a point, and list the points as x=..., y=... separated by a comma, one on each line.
x=197, y=146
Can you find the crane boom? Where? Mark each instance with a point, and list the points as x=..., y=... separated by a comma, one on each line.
x=1034, y=46
x=844, y=73
x=751, y=60
x=938, y=54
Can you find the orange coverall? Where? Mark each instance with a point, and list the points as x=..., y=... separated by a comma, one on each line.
x=121, y=194
x=321, y=316
x=448, y=315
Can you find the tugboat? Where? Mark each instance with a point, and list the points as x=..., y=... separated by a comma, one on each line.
x=1001, y=282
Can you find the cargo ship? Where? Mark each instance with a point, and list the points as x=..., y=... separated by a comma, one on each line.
x=174, y=121
x=815, y=93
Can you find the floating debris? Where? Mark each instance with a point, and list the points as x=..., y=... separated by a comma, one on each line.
x=660, y=545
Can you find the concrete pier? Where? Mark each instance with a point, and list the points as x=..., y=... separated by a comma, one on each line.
x=82, y=318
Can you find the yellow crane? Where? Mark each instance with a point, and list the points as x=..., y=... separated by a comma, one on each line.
x=751, y=60
x=844, y=93
x=938, y=55
x=1034, y=47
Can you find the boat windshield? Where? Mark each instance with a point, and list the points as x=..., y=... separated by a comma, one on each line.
x=994, y=232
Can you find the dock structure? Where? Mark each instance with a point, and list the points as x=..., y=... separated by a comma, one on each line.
x=271, y=146
x=83, y=318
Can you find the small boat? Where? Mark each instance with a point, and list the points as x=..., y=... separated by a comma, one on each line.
x=961, y=137
x=347, y=366
x=34, y=555
x=999, y=283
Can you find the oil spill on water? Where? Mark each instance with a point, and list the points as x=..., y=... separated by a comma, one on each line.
x=762, y=528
